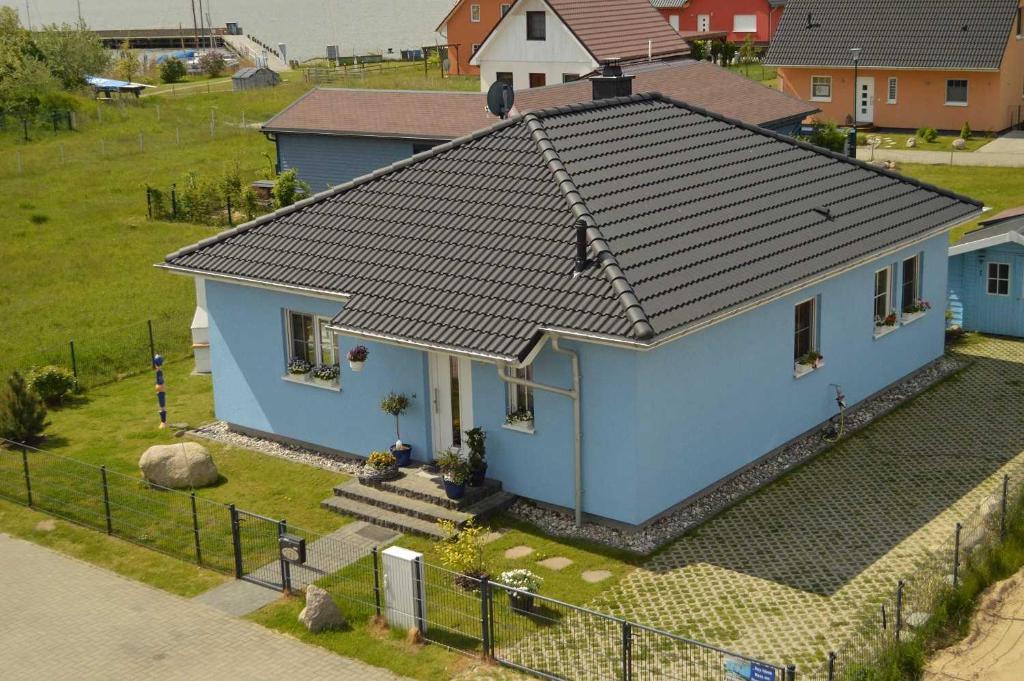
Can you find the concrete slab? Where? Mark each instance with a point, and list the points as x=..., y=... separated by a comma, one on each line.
x=557, y=563
x=518, y=552
x=595, y=576
x=238, y=598
x=1010, y=143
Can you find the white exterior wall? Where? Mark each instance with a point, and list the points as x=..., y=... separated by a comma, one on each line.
x=507, y=49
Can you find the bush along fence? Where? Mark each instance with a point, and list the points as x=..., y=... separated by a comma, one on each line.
x=525, y=631
x=30, y=126
x=112, y=355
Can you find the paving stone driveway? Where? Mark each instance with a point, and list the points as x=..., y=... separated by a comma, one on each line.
x=785, y=574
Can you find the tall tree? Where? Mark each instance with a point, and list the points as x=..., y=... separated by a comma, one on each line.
x=71, y=52
x=22, y=412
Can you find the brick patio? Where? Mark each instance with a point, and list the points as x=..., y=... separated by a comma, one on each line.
x=786, y=574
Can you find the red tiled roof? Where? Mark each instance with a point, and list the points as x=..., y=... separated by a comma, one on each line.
x=619, y=28
x=385, y=113
x=447, y=115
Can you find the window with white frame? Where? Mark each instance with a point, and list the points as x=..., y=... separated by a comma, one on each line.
x=998, y=279
x=883, y=294
x=310, y=340
x=474, y=13
x=519, y=400
x=821, y=88
x=893, y=91
x=956, y=92
x=805, y=329
x=744, y=23
x=910, y=293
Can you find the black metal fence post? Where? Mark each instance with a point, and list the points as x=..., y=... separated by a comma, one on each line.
x=956, y=556
x=236, y=540
x=791, y=672
x=195, y=530
x=898, y=625
x=106, y=500
x=831, y=665
x=376, y=580
x=28, y=478
x=152, y=345
x=485, y=616
x=74, y=360
x=286, y=572
x=1002, y=514
x=627, y=651
x=418, y=595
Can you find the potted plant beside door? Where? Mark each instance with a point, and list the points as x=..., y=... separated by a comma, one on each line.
x=454, y=473
x=477, y=458
x=397, y=404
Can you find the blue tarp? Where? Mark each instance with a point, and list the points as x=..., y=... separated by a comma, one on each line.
x=110, y=85
x=181, y=55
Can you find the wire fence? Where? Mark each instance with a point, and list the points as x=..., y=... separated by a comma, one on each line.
x=112, y=354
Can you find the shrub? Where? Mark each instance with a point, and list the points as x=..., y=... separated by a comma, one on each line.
x=862, y=139
x=521, y=579
x=381, y=461
x=965, y=132
x=172, y=70
x=928, y=134
x=250, y=204
x=52, y=383
x=287, y=188
x=699, y=50
x=476, y=440
x=212, y=64
x=22, y=412
x=462, y=550
x=827, y=135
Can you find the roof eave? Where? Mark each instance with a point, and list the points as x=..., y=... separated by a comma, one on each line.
x=862, y=67
x=360, y=133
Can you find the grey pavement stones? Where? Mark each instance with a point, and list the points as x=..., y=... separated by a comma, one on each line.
x=67, y=620
x=556, y=563
x=787, y=574
x=595, y=576
x=518, y=552
x=945, y=158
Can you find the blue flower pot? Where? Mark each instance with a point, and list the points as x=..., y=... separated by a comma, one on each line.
x=453, y=491
x=402, y=456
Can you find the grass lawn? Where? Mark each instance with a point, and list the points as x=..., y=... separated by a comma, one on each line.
x=941, y=143
x=998, y=188
x=758, y=72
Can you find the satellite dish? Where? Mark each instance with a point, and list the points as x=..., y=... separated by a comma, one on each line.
x=500, y=98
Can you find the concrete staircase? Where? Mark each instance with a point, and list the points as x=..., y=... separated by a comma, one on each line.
x=415, y=502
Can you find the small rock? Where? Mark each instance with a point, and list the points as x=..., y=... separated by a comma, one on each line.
x=911, y=142
x=48, y=525
x=177, y=466
x=959, y=143
x=321, y=612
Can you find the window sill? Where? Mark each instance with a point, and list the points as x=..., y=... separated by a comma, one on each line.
x=884, y=330
x=911, y=317
x=305, y=379
x=801, y=370
x=528, y=430
x=821, y=99
x=962, y=104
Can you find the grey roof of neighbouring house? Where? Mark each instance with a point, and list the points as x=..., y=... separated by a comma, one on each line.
x=691, y=216
x=915, y=34
x=249, y=72
x=1006, y=227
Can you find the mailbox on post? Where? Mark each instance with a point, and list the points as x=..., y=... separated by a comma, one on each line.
x=292, y=548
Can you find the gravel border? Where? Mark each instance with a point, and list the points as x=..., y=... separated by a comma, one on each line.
x=681, y=520
x=218, y=431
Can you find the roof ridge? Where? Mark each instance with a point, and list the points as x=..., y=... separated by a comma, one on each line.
x=341, y=188
x=603, y=254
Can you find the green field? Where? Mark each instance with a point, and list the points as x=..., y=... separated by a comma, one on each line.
x=998, y=188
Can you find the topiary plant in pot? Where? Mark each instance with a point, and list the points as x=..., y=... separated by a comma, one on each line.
x=476, y=440
x=397, y=404
x=454, y=473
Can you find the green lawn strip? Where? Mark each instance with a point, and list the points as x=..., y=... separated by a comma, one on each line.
x=997, y=188
x=941, y=143
x=763, y=74
x=124, y=558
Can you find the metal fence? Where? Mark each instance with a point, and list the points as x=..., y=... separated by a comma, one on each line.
x=529, y=632
x=112, y=354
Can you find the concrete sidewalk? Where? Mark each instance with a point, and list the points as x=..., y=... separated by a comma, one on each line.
x=945, y=158
x=65, y=619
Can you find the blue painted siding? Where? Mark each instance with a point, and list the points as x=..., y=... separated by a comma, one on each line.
x=327, y=160
x=968, y=296
x=247, y=348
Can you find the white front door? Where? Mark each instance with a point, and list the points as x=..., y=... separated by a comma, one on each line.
x=451, y=388
x=673, y=21
x=703, y=23
x=865, y=99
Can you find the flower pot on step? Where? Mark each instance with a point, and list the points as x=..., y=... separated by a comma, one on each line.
x=403, y=454
x=476, y=478
x=454, y=490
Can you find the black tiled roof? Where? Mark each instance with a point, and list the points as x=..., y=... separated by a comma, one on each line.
x=470, y=245
x=924, y=34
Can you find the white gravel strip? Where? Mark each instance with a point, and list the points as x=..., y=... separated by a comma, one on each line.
x=218, y=431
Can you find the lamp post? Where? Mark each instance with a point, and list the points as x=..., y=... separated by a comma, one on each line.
x=855, y=51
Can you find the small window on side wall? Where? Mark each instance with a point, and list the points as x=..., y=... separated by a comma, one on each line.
x=519, y=399
x=998, y=279
x=910, y=294
x=821, y=88
x=883, y=297
x=805, y=342
x=536, y=26
x=956, y=92
x=312, y=346
x=893, y=91
x=504, y=77
x=474, y=13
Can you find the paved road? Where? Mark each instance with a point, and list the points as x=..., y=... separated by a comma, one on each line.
x=65, y=619
x=944, y=158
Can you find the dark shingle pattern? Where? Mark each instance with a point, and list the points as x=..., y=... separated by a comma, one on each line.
x=928, y=34
x=989, y=230
x=470, y=245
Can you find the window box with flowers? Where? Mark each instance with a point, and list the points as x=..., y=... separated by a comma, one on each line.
x=521, y=419
x=808, y=363
x=313, y=351
x=886, y=324
x=915, y=311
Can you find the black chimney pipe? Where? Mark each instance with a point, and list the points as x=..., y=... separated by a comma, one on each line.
x=582, y=262
x=611, y=82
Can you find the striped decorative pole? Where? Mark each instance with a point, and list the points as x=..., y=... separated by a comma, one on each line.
x=161, y=396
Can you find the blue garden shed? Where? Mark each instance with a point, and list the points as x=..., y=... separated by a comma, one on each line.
x=986, y=276
x=660, y=296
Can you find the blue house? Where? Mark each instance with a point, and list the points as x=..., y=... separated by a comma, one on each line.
x=986, y=286
x=668, y=293
x=333, y=135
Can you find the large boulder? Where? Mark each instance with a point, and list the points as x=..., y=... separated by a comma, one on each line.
x=182, y=465
x=959, y=143
x=321, y=612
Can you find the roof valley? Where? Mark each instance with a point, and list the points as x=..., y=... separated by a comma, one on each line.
x=603, y=256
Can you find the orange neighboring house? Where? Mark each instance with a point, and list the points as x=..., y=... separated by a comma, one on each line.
x=465, y=27
x=739, y=19
x=921, y=63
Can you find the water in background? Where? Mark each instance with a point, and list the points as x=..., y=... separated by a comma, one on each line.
x=306, y=26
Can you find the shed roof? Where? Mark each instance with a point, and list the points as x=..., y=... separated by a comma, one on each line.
x=690, y=217
x=447, y=115
x=1006, y=227
x=917, y=34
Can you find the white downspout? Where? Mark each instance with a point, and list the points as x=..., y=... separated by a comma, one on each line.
x=574, y=395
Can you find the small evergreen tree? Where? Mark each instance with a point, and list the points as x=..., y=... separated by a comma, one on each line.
x=172, y=70
x=965, y=132
x=22, y=412
x=287, y=188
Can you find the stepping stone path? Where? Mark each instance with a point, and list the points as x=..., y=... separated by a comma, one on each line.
x=518, y=552
x=48, y=525
x=595, y=576
x=491, y=537
x=556, y=563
